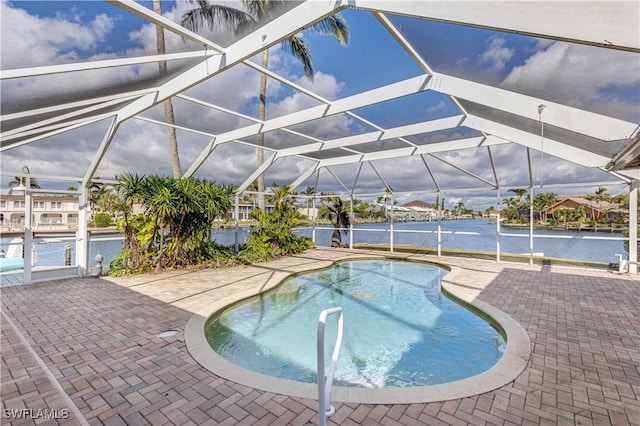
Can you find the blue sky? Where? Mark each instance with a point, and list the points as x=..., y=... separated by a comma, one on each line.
x=585, y=77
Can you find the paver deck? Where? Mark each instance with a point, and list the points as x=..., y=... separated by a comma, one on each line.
x=87, y=351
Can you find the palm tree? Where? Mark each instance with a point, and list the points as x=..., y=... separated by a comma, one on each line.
x=309, y=191
x=511, y=210
x=168, y=106
x=620, y=199
x=224, y=17
x=520, y=192
x=542, y=202
x=590, y=198
x=22, y=180
x=335, y=211
x=130, y=191
x=602, y=194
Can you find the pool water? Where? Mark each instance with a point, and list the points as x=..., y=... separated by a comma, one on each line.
x=399, y=328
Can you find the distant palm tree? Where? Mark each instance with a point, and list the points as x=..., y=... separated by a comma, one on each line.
x=335, y=211
x=309, y=191
x=22, y=180
x=590, y=198
x=602, y=194
x=520, y=192
x=225, y=17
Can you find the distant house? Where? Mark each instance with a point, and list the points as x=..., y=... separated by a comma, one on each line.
x=47, y=210
x=593, y=210
x=491, y=215
x=419, y=211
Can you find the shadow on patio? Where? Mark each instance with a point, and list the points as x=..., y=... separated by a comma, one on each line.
x=99, y=339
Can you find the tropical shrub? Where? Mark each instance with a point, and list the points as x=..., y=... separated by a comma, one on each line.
x=174, y=226
x=118, y=265
x=101, y=220
x=273, y=235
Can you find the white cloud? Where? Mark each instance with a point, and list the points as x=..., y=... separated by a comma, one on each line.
x=579, y=76
x=497, y=55
x=29, y=40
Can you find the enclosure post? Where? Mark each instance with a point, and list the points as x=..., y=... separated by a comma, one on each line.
x=82, y=234
x=351, y=222
x=440, y=226
x=498, y=226
x=633, y=228
x=237, y=223
x=313, y=222
x=28, y=233
x=391, y=225
x=531, y=225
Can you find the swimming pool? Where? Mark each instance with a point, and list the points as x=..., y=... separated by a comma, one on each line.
x=400, y=330
x=399, y=358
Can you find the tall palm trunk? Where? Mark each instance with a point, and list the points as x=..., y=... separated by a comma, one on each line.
x=168, y=106
x=262, y=109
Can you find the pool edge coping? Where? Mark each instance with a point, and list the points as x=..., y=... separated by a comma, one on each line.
x=506, y=370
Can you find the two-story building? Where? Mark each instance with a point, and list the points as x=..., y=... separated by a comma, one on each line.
x=47, y=210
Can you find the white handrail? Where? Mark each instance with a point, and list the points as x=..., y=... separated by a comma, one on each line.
x=325, y=409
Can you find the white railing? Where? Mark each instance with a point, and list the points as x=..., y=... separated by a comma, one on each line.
x=325, y=409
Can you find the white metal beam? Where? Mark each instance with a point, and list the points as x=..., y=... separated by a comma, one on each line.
x=55, y=130
x=463, y=170
x=45, y=125
x=574, y=119
x=370, y=97
x=396, y=132
x=260, y=170
x=175, y=126
x=304, y=176
x=395, y=33
x=552, y=147
x=73, y=105
x=611, y=24
x=217, y=107
x=286, y=81
x=104, y=145
x=452, y=145
x=381, y=94
x=149, y=15
x=95, y=65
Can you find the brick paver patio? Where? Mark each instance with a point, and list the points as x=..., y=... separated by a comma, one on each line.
x=87, y=351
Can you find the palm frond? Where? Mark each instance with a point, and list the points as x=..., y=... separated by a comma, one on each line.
x=334, y=25
x=262, y=9
x=298, y=48
x=214, y=17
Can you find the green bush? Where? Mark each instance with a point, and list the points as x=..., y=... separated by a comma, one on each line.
x=118, y=265
x=102, y=220
x=273, y=235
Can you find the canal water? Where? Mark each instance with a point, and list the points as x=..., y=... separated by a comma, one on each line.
x=458, y=234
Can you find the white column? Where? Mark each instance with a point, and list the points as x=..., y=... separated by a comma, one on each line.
x=633, y=228
x=351, y=223
x=531, y=225
x=28, y=232
x=391, y=225
x=237, y=223
x=82, y=234
x=440, y=212
x=498, y=226
x=313, y=222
